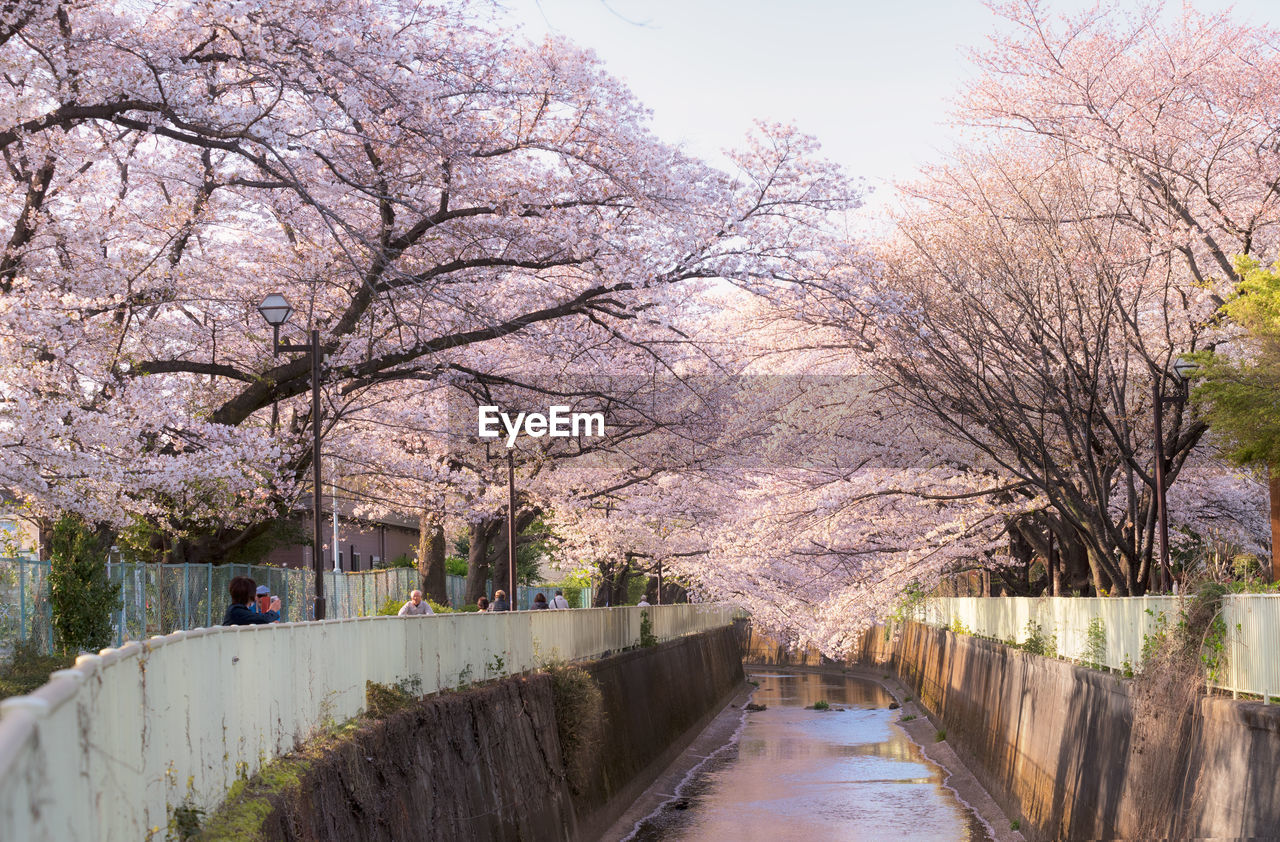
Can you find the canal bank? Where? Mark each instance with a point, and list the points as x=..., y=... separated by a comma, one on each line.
x=1054, y=743
x=554, y=754
x=854, y=771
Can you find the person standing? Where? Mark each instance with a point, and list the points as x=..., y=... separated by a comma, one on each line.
x=643, y=603
x=500, y=602
x=540, y=602
x=558, y=601
x=415, y=607
x=262, y=599
x=240, y=612
x=482, y=604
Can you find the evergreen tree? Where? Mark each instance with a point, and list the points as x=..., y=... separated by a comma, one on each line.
x=81, y=597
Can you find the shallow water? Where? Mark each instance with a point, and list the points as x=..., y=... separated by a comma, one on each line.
x=815, y=775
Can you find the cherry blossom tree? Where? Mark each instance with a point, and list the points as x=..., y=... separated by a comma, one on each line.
x=431, y=193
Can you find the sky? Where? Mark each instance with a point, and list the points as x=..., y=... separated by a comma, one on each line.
x=871, y=80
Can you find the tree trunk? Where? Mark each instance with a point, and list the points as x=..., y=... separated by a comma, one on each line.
x=1274, y=484
x=431, y=553
x=481, y=534
x=613, y=582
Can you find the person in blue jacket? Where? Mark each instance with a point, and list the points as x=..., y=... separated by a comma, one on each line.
x=240, y=612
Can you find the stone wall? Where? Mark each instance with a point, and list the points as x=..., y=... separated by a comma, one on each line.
x=1051, y=742
x=485, y=764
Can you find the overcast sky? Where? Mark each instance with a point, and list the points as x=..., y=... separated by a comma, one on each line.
x=871, y=79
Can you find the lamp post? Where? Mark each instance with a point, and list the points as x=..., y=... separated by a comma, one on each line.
x=511, y=525
x=1183, y=369
x=275, y=309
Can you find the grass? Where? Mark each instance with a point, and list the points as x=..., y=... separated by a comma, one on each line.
x=822, y=704
x=940, y=736
x=908, y=717
x=1015, y=824
x=26, y=669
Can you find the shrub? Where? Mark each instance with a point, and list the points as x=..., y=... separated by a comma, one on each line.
x=822, y=704
x=455, y=566
x=27, y=668
x=1096, y=646
x=579, y=722
x=80, y=596
x=647, y=637
x=1039, y=643
x=382, y=700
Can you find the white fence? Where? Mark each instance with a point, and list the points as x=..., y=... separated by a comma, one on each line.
x=161, y=598
x=1252, y=622
x=109, y=748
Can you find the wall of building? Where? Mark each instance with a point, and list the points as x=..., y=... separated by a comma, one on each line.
x=1051, y=742
x=364, y=542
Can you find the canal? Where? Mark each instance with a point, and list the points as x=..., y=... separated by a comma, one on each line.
x=847, y=773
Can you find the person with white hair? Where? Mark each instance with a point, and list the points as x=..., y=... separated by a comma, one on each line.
x=416, y=606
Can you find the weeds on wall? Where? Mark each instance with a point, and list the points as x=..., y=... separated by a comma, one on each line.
x=1038, y=642
x=382, y=700
x=1095, y=648
x=184, y=822
x=647, y=637
x=579, y=722
x=1164, y=698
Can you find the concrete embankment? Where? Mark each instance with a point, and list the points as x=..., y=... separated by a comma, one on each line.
x=487, y=763
x=1051, y=741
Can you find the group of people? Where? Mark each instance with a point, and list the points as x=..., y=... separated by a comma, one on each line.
x=252, y=604
x=500, y=602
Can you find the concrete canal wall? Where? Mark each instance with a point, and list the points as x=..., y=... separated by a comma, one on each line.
x=137, y=738
x=486, y=763
x=1051, y=742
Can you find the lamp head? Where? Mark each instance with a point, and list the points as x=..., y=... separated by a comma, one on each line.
x=1185, y=368
x=275, y=309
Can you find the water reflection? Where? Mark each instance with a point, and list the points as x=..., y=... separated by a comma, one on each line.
x=816, y=775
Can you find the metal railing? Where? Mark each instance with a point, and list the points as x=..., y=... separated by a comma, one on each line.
x=111, y=748
x=1112, y=631
x=163, y=598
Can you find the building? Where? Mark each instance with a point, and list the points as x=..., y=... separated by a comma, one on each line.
x=362, y=544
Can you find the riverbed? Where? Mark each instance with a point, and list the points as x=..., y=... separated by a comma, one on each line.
x=796, y=773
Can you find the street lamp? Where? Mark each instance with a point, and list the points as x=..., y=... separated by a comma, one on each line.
x=1183, y=369
x=275, y=309
x=511, y=525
